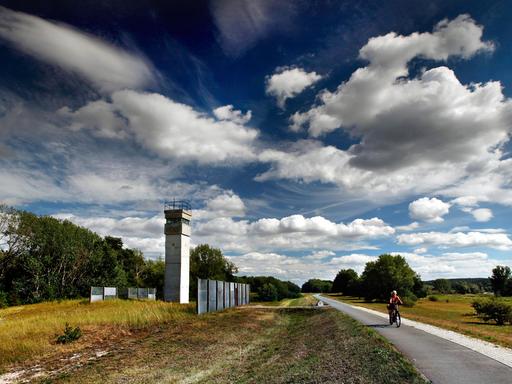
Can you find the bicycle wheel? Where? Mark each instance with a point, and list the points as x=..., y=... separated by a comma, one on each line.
x=391, y=319
x=398, y=319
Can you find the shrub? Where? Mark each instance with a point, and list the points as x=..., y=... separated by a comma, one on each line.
x=493, y=309
x=409, y=299
x=433, y=298
x=70, y=334
x=3, y=299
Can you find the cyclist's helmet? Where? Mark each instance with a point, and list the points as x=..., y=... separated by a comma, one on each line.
x=393, y=292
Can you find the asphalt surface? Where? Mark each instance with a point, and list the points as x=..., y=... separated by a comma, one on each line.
x=440, y=360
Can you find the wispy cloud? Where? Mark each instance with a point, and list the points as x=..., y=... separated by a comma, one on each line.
x=241, y=23
x=105, y=65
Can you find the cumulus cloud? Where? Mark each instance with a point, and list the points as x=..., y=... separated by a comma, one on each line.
x=416, y=135
x=499, y=241
x=482, y=214
x=294, y=232
x=224, y=205
x=429, y=210
x=289, y=82
x=469, y=204
x=310, y=161
x=168, y=128
x=106, y=66
x=227, y=112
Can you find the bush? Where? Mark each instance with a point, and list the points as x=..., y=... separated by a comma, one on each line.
x=409, y=299
x=70, y=334
x=493, y=309
x=3, y=300
x=433, y=298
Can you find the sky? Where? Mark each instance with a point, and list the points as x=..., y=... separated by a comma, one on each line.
x=309, y=136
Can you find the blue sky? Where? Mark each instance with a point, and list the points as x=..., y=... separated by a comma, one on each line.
x=309, y=136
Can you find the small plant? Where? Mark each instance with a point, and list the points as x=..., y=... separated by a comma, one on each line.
x=70, y=334
x=433, y=298
x=493, y=309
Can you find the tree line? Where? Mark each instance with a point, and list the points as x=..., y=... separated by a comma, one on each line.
x=378, y=279
x=43, y=258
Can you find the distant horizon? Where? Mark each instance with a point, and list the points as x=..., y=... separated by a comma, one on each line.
x=309, y=136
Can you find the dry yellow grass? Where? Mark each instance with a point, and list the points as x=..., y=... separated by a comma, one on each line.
x=29, y=331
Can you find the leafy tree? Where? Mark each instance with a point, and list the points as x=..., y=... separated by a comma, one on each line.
x=209, y=263
x=317, y=286
x=442, y=285
x=152, y=276
x=499, y=279
x=44, y=258
x=385, y=274
x=268, y=292
x=284, y=289
x=346, y=282
x=464, y=287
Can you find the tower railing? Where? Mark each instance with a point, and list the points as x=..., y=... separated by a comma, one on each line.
x=173, y=205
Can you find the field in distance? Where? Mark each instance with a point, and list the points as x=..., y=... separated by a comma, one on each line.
x=450, y=311
x=151, y=342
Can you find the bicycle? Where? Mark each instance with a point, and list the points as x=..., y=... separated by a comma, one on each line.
x=395, y=317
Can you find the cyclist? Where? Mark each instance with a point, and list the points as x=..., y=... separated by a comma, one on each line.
x=393, y=302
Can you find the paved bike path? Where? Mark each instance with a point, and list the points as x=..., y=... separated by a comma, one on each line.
x=440, y=360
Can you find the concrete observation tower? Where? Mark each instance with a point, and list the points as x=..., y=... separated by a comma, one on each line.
x=177, y=250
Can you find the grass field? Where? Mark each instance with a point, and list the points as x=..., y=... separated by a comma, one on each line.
x=452, y=312
x=148, y=342
x=29, y=330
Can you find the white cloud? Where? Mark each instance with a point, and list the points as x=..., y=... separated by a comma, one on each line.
x=482, y=214
x=92, y=188
x=409, y=227
x=429, y=210
x=295, y=269
x=374, y=88
x=420, y=250
x=499, y=241
x=289, y=82
x=97, y=116
x=170, y=129
x=20, y=185
x=294, y=232
x=309, y=161
x=319, y=255
x=424, y=134
x=227, y=205
x=451, y=264
x=465, y=201
x=105, y=65
x=227, y=112
x=469, y=204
